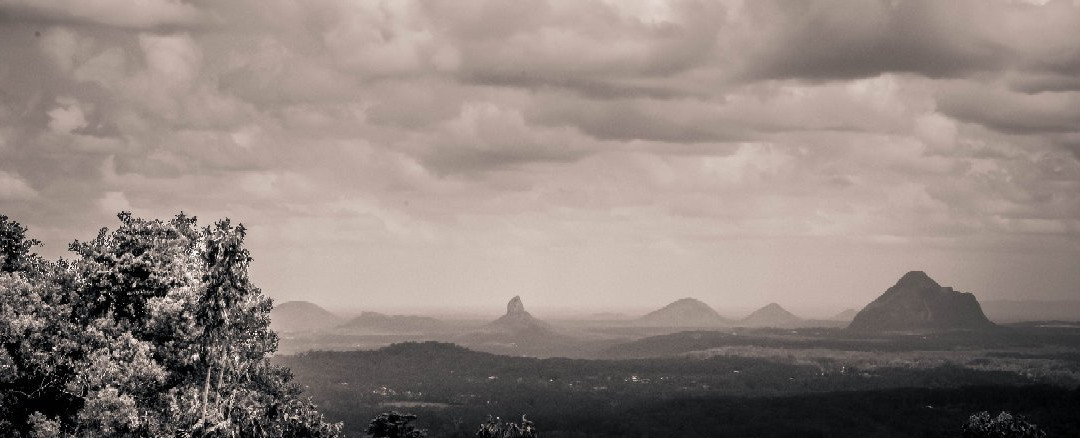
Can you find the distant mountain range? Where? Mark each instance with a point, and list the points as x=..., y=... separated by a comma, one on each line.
x=301, y=316
x=772, y=315
x=917, y=302
x=687, y=312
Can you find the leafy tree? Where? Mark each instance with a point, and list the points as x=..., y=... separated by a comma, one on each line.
x=1005, y=425
x=42, y=350
x=394, y=425
x=496, y=428
x=154, y=330
x=15, y=255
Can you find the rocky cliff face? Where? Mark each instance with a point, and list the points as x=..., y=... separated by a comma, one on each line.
x=686, y=312
x=917, y=302
x=515, y=307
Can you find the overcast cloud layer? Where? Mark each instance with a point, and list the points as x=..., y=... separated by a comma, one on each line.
x=617, y=154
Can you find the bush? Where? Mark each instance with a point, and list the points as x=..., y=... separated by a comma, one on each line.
x=496, y=428
x=394, y=425
x=1005, y=425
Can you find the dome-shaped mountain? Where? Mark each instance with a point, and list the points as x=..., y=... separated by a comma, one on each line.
x=687, y=312
x=772, y=315
x=917, y=302
x=301, y=316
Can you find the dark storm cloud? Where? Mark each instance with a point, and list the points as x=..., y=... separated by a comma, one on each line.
x=624, y=122
x=830, y=40
x=159, y=15
x=591, y=87
x=1012, y=112
x=827, y=40
x=1044, y=82
x=456, y=161
x=601, y=50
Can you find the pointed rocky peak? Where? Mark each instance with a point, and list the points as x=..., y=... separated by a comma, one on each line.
x=517, y=318
x=515, y=306
x=917, y=280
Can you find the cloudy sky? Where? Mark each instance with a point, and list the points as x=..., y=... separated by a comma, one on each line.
x=396, y=155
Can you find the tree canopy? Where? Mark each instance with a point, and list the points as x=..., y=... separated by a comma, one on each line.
x=153, y=329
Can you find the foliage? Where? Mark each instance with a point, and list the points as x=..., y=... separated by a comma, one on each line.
x=1005, y=425
x=452, y=390
x=153, y=330
x=15, y=255
x=394, y=425
x=494, y=427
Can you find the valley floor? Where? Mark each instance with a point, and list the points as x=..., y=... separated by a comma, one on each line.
x=746, y=382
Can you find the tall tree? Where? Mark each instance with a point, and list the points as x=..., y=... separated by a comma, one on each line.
x=154, y=330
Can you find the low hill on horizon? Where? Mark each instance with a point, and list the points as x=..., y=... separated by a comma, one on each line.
x=1005, y=311
x=301, y=316
x=397, y=324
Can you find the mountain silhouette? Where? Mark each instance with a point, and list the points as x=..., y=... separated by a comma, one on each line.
x=917, y=302
x=301, y=316
x=378, y=322
x=516, y=332
x=687, y=312
x=772, y=315
x=517, y=319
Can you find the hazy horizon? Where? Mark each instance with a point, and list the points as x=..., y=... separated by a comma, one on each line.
x=583, y=155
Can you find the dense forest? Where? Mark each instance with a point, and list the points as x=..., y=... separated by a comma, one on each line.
x=152, y=329
x=450, y=388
